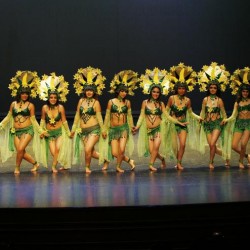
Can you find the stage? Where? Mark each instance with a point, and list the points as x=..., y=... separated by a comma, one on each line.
x=191, y=209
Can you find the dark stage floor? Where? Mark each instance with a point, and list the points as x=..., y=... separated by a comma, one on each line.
x=167, y=209
x=69, y=188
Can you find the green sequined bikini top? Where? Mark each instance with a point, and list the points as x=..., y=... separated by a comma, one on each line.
x=178, y=111
x=244, y=108
x=88, y=110
x=56, y=119
x=156, y=111
x=212, y=109
x=121, y=110
x=23, y=112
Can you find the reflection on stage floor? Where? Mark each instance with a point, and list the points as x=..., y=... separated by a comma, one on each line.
x=191, y=209
x=196, y=184
x=139, y=188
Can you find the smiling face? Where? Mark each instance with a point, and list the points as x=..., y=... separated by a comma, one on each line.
x=155, y=93
x=53, y=99
x=89, y=93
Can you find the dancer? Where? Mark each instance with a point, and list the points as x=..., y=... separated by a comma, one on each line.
x=179, y=111
x=20, y=125
x=239, y=121
x=54, y=89
x=213, y=79
x=118, y=122
x=151, y=122
x=88, y=122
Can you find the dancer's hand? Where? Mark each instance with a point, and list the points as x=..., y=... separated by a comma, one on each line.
x=71, y=134
x=224, y=121
x=134, y=130
x=183, y=124
x=44, y=134
x=104, y=135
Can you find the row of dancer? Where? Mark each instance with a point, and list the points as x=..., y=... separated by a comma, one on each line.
x=163, y=130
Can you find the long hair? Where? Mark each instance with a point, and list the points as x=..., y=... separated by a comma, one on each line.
x=150, y=94
x=239, y=94
x=216, y=83
x=118, y=90
x=95, y=95
x=57, y=97
x=23, y=90
x=179, y=85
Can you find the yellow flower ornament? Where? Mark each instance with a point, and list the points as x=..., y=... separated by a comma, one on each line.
x=214, y=73
x=155, y=78
x=182, y=75
x=89, y=77
x=125, y=79
x=24, y=81
x=240, y=78
x=53, y=84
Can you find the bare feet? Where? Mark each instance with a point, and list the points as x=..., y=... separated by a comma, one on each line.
x=54, y=170
x=163, y=162
x=152, y=168
x=119, y=170
x=132, y=164
x=179, y=166
x=211, y=165
x=227, y=163
x=241, y=165
x=17, y=170
x=35, y=167
x=87, y=169
x=63, y=168
x=248, y=160
x=105, y=165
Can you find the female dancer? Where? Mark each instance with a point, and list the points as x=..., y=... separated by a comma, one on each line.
x=118, y=122
x=88, y=121
x=20, y=125
x=179, y=111
x=239, y=121
x=151, y=122
x=54, y=89
x=213, y=78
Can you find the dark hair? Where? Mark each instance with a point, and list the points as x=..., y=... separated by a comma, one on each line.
x=241, y=88
x=117, y=92
x=217, y=84
x=95, y=95
x=57, y=101
x=151, y=90
x=121, y=87
x=180, y=85
x=21, y=91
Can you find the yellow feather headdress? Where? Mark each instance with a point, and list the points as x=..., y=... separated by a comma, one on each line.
x=124, y=79
x=24, y=80
x=183, y=75
x=213, y=73
x=89, y=77
x=53, y=84
x=155, y=78
x=240, y=77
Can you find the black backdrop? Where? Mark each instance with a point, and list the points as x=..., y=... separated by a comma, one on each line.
x=63, y=35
